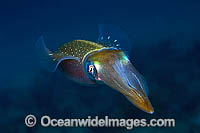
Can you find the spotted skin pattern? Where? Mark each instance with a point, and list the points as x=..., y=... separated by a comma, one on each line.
x=74, y=68
x=78, y=48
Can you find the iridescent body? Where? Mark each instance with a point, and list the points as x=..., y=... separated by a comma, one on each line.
x=74, y=68
x=90, y=62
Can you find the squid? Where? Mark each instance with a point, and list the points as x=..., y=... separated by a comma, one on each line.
x=104, y=61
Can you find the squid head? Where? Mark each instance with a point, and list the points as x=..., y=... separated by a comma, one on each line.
x=112, y=67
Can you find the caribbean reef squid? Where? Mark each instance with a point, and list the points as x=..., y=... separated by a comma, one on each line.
x=103, y=61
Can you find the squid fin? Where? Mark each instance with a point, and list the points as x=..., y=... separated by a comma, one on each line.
x=113, y=36
x=47, y=58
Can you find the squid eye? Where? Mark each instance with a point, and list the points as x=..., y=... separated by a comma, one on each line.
x=91, y=70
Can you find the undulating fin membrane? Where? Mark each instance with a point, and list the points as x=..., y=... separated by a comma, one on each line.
x=113, y=36
x=48, y=59
x=45, y=55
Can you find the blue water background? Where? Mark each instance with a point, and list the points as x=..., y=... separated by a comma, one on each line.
x=165, y=39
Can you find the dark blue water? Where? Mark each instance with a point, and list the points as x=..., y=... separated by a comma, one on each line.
x=165, y=38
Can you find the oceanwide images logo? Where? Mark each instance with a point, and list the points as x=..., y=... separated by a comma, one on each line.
x=46, y=121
